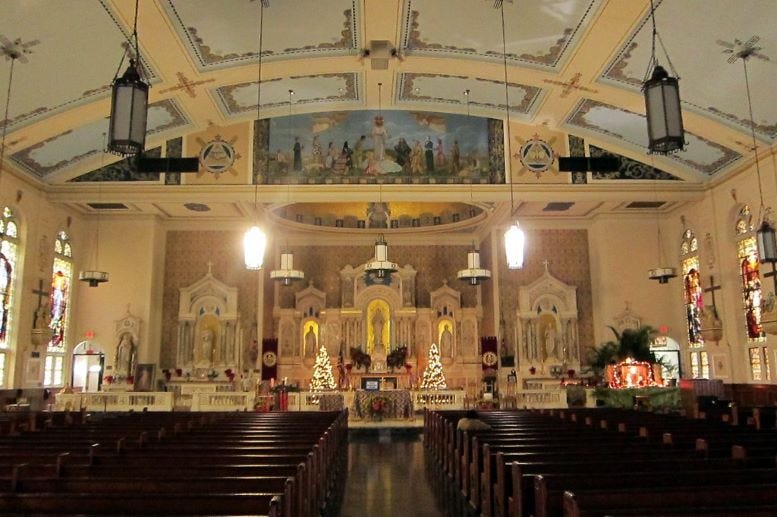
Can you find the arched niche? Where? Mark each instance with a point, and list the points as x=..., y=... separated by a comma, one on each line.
x=209, y=333
x=547, y=324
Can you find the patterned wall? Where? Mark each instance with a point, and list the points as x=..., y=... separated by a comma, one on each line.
x=567, y=255
x=186, y=261
x=487, y=289
x=322, y=265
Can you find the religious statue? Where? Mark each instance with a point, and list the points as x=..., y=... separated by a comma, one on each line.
x=377, y=328
x=446, y=342
x=310, y=342
x=206, y=345
x=125, y=352
x=550, y=342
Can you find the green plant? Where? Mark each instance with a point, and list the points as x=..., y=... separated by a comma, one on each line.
x=634, y=343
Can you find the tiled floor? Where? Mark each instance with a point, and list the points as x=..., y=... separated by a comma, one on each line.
x=387, y=476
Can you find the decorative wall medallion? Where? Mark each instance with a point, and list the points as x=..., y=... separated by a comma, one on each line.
x=489, y=358
x=269, y=359
x=536, y=155
x=218, y=156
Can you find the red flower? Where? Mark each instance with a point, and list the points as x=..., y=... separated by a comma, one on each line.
x=108, y=379
x=532, y=370
x=178, y=372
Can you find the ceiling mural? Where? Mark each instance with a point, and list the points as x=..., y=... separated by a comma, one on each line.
x=700, y=48
x=63, y=150
x=381, y=146
x=537, y=33
x=238, y=99
x=220, y=34
x=483, y=93
x=51, y=75
x=618, y=124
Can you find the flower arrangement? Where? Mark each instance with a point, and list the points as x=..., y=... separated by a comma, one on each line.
x=378, y=405
x=178, y=372
x=167, y=373
x=230, y=374
x=130, y=379
x=108, y=379
x=532, y=370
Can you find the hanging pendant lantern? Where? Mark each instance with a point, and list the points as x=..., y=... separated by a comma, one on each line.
x=663, y=111
x=767, y=243
x=515, y=240
x=287, y=274
x=129, y=110
x=380, y=264
x=254, y=244
x=474, y=274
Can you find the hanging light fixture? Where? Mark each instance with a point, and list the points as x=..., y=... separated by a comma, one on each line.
x=287, y=274
x=255, y=240
x=380, y=264
x=662, y=101
x=474, y=274
x=515, y=240
x=765, y=235
x=129, y=103
x=662, y=274
x=96, y=277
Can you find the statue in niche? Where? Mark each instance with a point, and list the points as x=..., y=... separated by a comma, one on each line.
x=125, y=353
x=310, y=342
x=206, y=345
x=378, y=321
x=446, y=342
x=551, y=342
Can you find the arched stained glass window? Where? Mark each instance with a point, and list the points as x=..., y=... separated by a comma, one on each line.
x=749, y=271
x=692, y=289
x=9, y=256
x=61, y=280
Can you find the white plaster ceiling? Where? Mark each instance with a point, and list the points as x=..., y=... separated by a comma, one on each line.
x=574, y=67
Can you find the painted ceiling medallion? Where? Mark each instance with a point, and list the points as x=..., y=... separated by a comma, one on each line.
x=218, y=156
x=536, y=155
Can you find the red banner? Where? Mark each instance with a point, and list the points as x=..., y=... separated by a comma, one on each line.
x=269, y=359
x=489, y=355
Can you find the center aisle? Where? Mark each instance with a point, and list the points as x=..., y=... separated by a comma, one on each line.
x=387, y=476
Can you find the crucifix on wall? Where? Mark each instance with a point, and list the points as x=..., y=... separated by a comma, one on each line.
x=40, y=310
x=712, y=288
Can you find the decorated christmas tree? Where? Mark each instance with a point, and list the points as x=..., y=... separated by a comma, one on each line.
x=322, y=372
x=433, y=378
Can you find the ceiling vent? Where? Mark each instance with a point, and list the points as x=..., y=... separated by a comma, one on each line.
x=557, y=206
x=646, y=205
x=107, y=206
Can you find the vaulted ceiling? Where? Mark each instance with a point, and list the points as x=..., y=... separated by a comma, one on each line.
x=574, y=67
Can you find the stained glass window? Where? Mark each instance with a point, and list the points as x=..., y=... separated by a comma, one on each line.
x=692, y=290
x=744, y=222
x=9, y=249
x=704, y=359
x=695, y=370
x=61, y=280
x=694, y=302
x=755, y=363
x=747, y=251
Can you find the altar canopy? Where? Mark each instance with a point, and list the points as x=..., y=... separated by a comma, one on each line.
x=547, y=331
x=209, y=332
